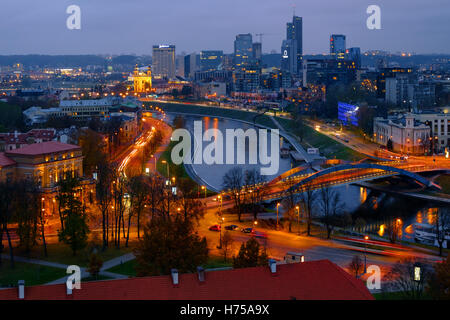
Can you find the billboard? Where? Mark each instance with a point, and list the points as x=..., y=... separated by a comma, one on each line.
x=348, y=114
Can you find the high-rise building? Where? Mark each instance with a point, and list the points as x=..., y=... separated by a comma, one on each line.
x=163, y=66
x=289, y=56
x=257, y=51
x=354, y=54
x=210, y=59
x=294, y=31
x=243, y=50
x=191, y=65
x=337, y=46
x=247, y=79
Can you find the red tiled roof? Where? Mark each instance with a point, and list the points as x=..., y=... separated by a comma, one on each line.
x=22, y=138
x=5, y=161
x=314, y=280
x=43, y=148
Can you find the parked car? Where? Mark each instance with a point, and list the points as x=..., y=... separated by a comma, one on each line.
x=247, y=230
x=231, y=227
x=215, y=227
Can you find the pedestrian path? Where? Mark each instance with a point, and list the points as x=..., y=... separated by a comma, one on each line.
x=84, y=273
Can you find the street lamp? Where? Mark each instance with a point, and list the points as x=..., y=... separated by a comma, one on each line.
x=365, y=253
x=204, y=188
x=298, y=217
x=278, y=205
x=222, y=219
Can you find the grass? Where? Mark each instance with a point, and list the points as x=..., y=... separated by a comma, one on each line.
x=394, y=296
x=61, y=253
x=33, y=274
x=129, y=268
x=179, y=171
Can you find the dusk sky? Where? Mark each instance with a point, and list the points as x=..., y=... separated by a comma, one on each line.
x=133, y=26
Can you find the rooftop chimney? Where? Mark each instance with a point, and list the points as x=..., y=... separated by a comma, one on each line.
x=174, y=273
x=201, y=274
x=21, y=284
x=273, y=266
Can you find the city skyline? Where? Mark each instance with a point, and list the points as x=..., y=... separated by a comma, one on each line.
x=119, y=28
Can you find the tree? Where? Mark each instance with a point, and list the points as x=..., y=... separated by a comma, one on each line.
x=403, y=277
x=439, y=284
x=190, y=207
x=442, y=227
x=27, y=211
x=138, y=190
x=254, y=182
x=227, y=242
x=307, y=200
x=290, y=202
x=95, y=264
x=393, y=229
x=332, y=206
x=75, y=232
x=250, y=255
x=105, y=177
x=170, y=243
x=356, y=265
x=74, y=228
x=92, y=145
x=233, y=181
x=6, y=215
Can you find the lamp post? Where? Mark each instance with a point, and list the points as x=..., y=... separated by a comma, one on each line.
x=298, y=218
x=365, y=253
x=204, y=188
x=222, y=219
x=278, y=205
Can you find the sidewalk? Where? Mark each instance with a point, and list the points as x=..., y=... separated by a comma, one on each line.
x=84, y=273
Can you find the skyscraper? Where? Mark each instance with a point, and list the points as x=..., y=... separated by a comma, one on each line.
x=243, y=50
x=210, y=59
x=289, y=61
x=294, y=31
x=337, y=46
x=257, y=51
x=163, y=66
x=191, y=65
x=354, y=54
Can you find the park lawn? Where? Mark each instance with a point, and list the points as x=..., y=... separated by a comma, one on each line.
x=395, y=296
x=129, y=268
x=179, y=171
x=61, y=253
x=33, y=274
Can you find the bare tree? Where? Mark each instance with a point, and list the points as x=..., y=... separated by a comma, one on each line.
x=290, y=202
x=442, y=227
x=138, y=190
x=227, y=242
x=356, y=266
x=105, y=177
x=409, y=277
x=332, y=206
x=190, y=207
x=307, y=199
x=256, y=190
x=233, y=181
